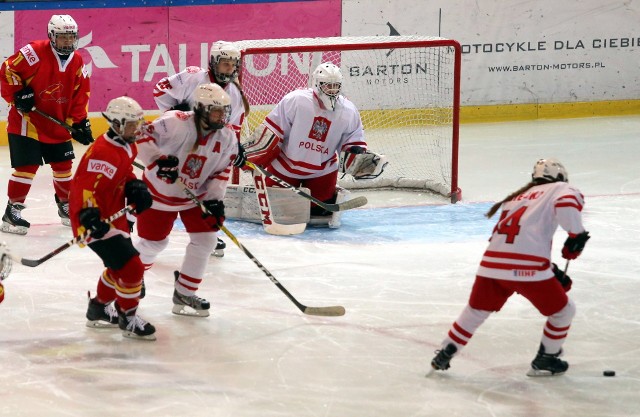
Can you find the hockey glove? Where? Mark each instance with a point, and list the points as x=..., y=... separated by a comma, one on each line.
x=356, y=150
x=138, y=194
x=25, y=99
x=574, y=245
x=241, y=158
x=564, y=279
x=215, y=213
x=82, y=132
x=167, y=168
x=90, y=219
x=184, y=106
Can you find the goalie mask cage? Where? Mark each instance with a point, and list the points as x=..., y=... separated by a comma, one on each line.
x=407, y=89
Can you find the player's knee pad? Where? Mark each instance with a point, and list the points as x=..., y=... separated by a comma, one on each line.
x=130, y=275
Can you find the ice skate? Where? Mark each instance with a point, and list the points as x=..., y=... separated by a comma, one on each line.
x=63, y=211
x=12, y=221
x=546, y=364
x=189, y=305
x=441, y=361
x=101, y=316
x=218, y=252
x=134, y=327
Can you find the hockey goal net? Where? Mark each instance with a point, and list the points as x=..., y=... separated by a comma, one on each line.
x=407, y=89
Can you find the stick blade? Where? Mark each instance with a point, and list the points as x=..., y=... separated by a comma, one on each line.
x=332, y=311
x=285, y=229
x=353, y=203
x=30, y=262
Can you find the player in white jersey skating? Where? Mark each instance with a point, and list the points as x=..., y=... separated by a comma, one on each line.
x=177, y=92
x=201, y=147
x=518, y=259
x=300, y=139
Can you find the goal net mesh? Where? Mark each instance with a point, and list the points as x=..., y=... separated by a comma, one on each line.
x=405, y=87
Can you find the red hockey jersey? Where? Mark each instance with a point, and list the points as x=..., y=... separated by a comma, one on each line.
x=61, y=90
x=99, y=181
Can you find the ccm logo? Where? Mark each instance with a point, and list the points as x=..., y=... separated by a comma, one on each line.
x=101, y=167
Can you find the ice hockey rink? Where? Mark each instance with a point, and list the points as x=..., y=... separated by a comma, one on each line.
x=402, y=266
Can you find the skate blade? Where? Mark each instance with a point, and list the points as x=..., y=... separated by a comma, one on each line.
x=16, y=230
x=183, y=310
x=65, y=221
x=131, y=335
x=218, y=253
x=101, y=324
x=539, y=372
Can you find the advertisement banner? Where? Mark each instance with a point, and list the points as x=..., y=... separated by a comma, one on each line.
x=541, y=51
x=127, y=51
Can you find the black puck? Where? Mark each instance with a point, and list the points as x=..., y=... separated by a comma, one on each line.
x=609, y=373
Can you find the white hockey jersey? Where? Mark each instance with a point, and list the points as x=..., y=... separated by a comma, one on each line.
x=180, y=87
x=520, y=246
x=311, y=135
x=204, y=164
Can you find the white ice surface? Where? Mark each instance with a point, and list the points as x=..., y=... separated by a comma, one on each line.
x=402, y=267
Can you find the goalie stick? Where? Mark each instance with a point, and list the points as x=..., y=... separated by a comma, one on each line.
x=266, y=216
x=346, y=205
x=80, y=238
x=330, y=311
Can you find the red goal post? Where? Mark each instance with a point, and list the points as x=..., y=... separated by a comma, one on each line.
x=407, y=89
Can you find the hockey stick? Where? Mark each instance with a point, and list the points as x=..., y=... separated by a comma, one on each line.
x=346, y=205
x=313, y=311
x=54, y=120
x=264, y=205
x=80, y=238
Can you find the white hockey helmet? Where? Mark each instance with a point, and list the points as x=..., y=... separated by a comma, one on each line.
x=125, y=117
x=551, y=170
x=211, y=97
x=327, y=83
x=62, y=24
x=224, y=50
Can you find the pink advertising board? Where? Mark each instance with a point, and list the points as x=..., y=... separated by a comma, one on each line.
x=129, y=50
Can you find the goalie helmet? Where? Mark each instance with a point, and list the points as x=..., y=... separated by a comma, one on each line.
x=327, y=84
x=550, y=170
x=211, y=99
x=125, y=117
x=60, y=25
x=226, y=51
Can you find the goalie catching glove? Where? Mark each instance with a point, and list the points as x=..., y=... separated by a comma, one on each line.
x=362, y=164
x=215, y=213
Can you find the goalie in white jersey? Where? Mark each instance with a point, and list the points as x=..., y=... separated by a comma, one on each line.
x=301, y=137
x=194, y=148
x=177, y=92
x=518, y=259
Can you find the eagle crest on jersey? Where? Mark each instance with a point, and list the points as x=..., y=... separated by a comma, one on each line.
x=193, y=166
x=263, y=145
x=319, y=129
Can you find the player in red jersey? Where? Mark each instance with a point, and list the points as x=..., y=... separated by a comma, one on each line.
x=518, y=259
x=48, y=75
x=104, y=179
